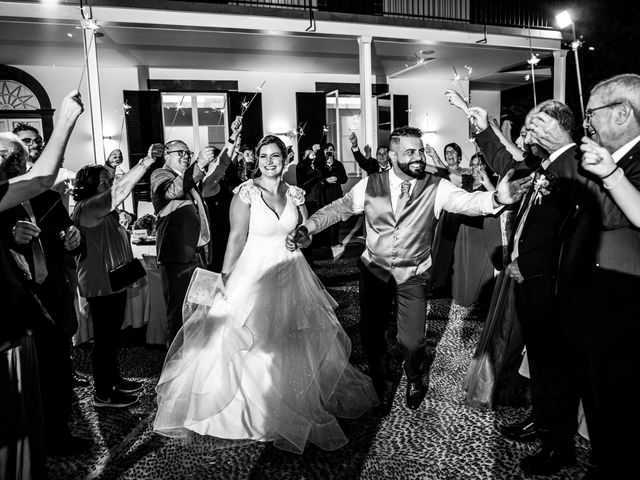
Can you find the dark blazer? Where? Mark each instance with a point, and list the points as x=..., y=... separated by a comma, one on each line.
x=369, y=165
x=52, y=218
x=176, y=233
x=332, y=191
x=545, y=228
x=600, y=269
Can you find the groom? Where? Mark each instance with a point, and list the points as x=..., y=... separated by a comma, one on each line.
x=401, y=207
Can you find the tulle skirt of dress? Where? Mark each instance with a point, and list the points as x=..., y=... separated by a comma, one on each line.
x=268, y=361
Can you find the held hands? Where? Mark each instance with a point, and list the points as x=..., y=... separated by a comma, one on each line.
x=353, y=138
x=72, y=238
x=298, y=238
x=156, y=150
x=206, y=156
x=71, y=108
x=23, y=232
x=513, y=271
x=547, y=132
x=479, y=118
x=236, y=127
x=596, y=159
x=511, y=191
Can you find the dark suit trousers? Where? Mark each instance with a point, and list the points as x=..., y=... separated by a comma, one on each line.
x=554, y=390
x=107, y=313
x=376, y=300
x=175, y=282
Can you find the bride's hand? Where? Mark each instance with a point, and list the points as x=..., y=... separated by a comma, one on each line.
x=298, y=238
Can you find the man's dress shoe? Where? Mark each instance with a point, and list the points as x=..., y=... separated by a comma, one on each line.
x=547, y=461
x=386, y=402
x=525, y=431
x=416, y=392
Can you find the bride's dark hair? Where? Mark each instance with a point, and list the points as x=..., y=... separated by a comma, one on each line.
x=272, y=139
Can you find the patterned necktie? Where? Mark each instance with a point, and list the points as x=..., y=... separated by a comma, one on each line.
x=404, y=197
x=40, y=271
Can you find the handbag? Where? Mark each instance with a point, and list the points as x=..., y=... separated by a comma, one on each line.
x=124, y=275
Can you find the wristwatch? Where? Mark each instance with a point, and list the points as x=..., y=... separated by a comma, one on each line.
x=496, y=199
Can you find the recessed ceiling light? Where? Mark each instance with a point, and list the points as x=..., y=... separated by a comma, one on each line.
x=426, y=52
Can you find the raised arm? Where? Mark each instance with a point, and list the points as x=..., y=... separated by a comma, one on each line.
x=43, y=174
x=239, y=219
x=98, y=206
x=514, y=151
x=218, y=167
x=499, y=159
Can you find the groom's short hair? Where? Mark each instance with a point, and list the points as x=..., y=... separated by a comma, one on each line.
x=403, y=132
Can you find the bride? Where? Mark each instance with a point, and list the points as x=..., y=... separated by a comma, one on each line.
x=269, y=360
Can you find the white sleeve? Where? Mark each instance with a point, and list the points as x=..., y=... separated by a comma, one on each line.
x=456, y=200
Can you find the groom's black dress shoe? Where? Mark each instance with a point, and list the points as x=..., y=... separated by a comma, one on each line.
x=525, y=431
x=548, y=461
x=416, y=392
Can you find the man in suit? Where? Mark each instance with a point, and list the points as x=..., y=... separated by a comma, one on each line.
x=401, y=207
x=370, y=165
x=39, y=234
x=534, y=248
x=602, y=319
x=183, y=235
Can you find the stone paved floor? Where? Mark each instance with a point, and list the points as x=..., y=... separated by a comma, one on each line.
x=444, y=439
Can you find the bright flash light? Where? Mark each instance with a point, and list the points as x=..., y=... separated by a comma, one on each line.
x=563, y=19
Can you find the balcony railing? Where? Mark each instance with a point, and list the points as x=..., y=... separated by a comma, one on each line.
x=512, y=13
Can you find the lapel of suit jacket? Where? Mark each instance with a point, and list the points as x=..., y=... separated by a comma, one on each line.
x=630, y=158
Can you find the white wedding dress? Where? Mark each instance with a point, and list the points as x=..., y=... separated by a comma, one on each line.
x=268, y=360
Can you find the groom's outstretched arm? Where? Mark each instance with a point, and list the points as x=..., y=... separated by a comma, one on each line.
x=343, y=208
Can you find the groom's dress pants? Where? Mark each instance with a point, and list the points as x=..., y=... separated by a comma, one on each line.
x=376, y=300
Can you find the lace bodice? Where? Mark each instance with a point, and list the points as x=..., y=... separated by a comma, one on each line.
x=264, y=224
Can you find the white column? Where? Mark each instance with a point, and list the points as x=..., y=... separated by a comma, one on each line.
x=366, y=113
x=559, y=74
x=95, y=105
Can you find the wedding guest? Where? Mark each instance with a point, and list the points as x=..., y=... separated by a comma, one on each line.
x=333, y=176
x=113, y=162
x=183, y=239
x=22, y=437
x=368, y=164
x=217, y=190
x=290, y=173
x=602, y=315
x=40, y=234
x=98, y=195
x=534, y=251
x=400, y=208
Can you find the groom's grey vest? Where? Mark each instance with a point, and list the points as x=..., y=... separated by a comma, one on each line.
x=399, y=248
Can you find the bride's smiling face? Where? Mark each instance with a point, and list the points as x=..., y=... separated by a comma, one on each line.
x=270, y=160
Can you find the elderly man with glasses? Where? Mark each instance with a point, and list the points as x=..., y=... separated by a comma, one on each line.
x=183, y=231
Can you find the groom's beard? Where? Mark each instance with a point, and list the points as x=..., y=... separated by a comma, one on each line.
x=415, y=169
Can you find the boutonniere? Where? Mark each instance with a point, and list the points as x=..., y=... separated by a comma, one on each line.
x=543, y=185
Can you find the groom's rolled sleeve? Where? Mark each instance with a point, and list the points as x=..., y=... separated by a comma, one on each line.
x=456, y=200
x=343, y=208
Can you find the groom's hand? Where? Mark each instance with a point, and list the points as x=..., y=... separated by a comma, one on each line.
x=298, y=238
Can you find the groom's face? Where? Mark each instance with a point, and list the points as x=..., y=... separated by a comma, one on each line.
x=407, y=156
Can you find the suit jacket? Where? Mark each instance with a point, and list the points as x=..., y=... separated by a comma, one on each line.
x=545, y=228
x=52, y=218
x=178, y=227
x=369, y=165
x=600, y=269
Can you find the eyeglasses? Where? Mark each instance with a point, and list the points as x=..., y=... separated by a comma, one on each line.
x=182, y=153
x=30, y=141
x=588, y=113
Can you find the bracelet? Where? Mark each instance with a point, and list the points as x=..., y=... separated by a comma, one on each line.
x=231, y=140
x=610, y=173
x=496, y=199
x=612, y=181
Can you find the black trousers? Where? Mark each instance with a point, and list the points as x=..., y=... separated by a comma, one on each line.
x=376, y=300
x=175, y=282
x=107, y=312
x=55, y=372
x=554, y=386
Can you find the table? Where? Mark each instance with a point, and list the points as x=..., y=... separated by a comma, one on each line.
x=145, y=303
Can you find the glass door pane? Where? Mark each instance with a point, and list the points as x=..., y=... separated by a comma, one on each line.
x=178, y=118
x=212, y=119
x=384, y=114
